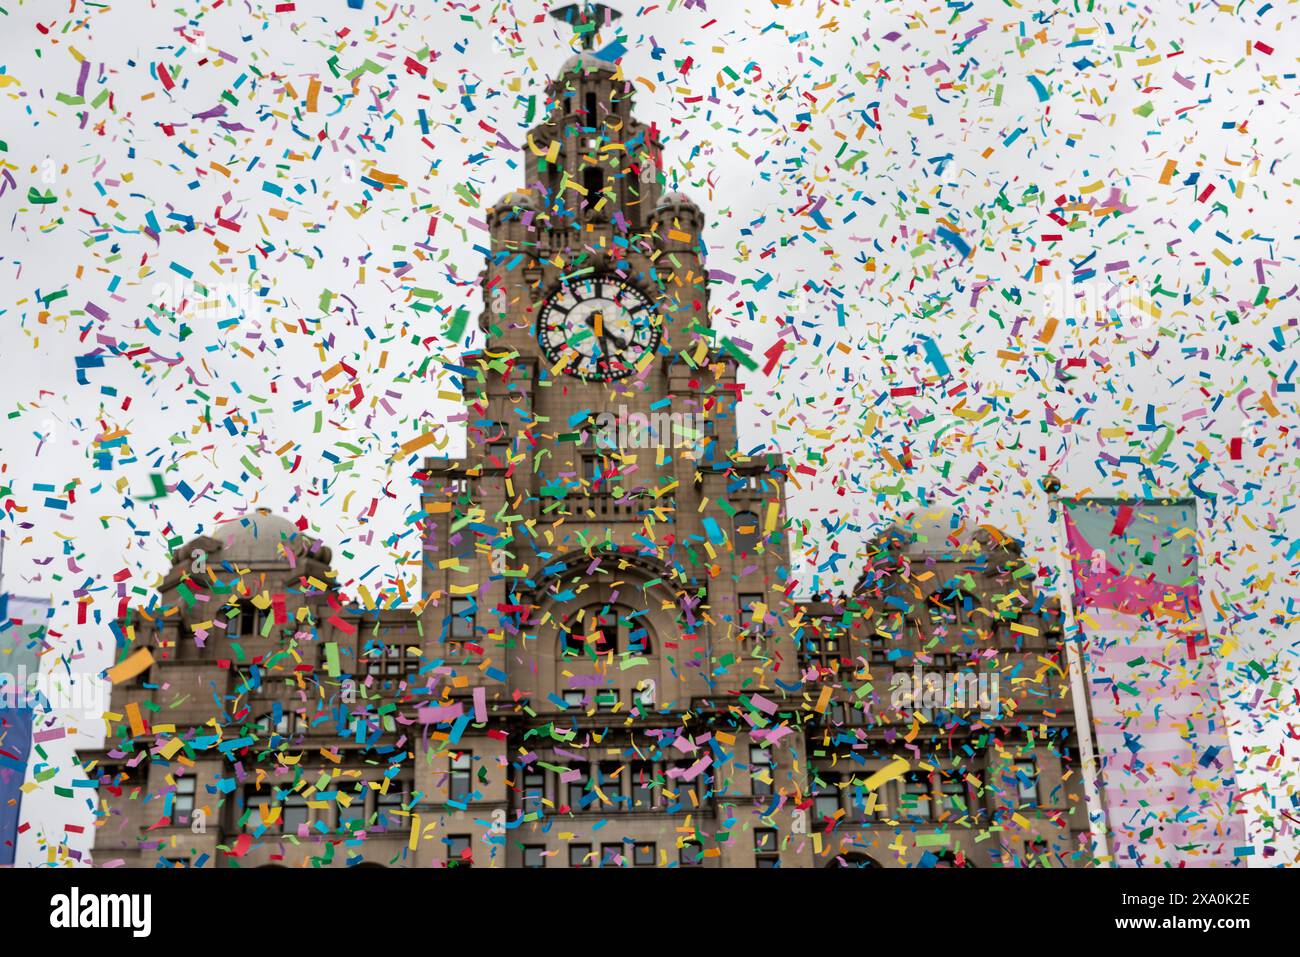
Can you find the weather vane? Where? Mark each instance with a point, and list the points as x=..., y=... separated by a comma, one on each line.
x=586, y=19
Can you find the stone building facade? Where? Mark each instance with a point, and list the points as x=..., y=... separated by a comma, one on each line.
x=606, y=665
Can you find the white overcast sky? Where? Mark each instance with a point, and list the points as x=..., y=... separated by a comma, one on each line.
x=784, y=131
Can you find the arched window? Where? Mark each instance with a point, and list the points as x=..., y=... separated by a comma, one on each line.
x=596, y=634
x=953, y=618
x=593, y=181
x=244, y=620
x=604, y=629
x=746, y=534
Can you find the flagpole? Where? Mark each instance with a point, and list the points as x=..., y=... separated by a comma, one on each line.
x=1078, y=684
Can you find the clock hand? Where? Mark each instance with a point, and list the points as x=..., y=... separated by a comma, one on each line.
x=595, y=322
x=607, y=333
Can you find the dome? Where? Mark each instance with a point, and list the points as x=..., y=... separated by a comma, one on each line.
x=517, y=199
x=257, y=537
x=675, y=201
x=935, y=530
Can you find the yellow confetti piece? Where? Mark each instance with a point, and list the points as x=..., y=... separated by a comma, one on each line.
x=137, y=663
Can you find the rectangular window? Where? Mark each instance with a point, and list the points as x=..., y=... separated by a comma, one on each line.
x=580, y=855
x=183, y=802
x=760, y=771
x=462, y=776
x=459, y=851
x=682, y=788
x=249, y=620
x=577, y=789
x=690, y=854
x=643, y=791
x=1026, y=772
x=611, y=784
x=573, y=698
x=257, y=807
x=747, y=602
x=952, y=790
x=767, y=848
x=534, y=855
x=388, y=804
x=534, y=785
x=643, y=855
x=915, y=796
x=461, y=621
x=606, y=699
x=352, y=817
x=856, y=798
x=611, y=855
x=826, y=802
x=293, y=813
x=386, y=662
x=497, y=436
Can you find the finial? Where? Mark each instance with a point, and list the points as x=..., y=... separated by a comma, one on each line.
x=586, y=19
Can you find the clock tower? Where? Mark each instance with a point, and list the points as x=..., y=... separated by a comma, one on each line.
x=608, y=566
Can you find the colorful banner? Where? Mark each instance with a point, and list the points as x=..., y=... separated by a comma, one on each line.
x=15, y=744
x=22, y=629
x=1167, y=776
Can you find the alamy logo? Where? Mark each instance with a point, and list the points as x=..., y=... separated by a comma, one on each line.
x=636, y=430
x=72, y=691
x=946, y=691
x=76, y=910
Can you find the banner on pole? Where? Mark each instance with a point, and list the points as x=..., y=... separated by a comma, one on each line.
x=1168, y=780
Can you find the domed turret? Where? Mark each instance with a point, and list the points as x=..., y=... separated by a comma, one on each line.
x=258, y=538
x=676, y=201
x=517, y=202
x=936, y=530
x=679, y=223
x=513, y=219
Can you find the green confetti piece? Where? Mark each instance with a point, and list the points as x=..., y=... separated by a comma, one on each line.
x=738, y=354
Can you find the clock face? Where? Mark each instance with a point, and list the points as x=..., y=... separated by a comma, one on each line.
x=600, y=327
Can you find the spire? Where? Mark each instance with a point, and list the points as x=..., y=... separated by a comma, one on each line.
x=586, y=19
